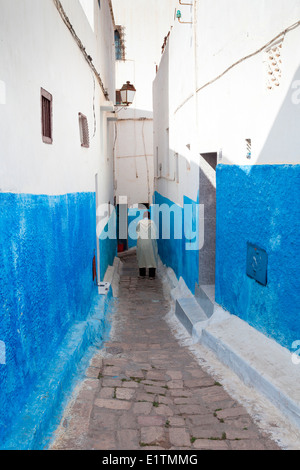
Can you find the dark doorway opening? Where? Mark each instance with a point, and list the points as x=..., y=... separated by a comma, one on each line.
x=207, y=196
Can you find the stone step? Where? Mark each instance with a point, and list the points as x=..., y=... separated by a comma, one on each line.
x=205, y=296
x=189, y=312
x=258, y=360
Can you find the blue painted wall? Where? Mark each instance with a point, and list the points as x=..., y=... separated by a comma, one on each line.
x=46, y=286
x=173, y=252
x=260, y=204
x=108, y=251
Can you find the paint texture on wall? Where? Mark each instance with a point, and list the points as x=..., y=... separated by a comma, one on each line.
x=176, y=246
x=46, y=286
x=259, y=204
x=108, y=246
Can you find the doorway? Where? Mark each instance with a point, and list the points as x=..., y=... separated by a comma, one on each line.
x=207, y=196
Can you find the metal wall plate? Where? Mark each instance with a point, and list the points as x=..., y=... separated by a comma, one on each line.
x=257, y=263
x=103, y=288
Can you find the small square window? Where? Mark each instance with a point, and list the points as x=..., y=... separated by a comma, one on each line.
x=46, y=110
x=84, y=130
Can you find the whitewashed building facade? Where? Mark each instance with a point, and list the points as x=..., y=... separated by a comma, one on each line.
x=226, y=136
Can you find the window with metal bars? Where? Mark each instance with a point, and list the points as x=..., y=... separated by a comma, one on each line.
x=119, y=43
x=84, y=130
x=118, y=46
x=46, y=110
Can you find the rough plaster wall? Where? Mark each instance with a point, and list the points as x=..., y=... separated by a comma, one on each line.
x=46, y=285
x=173, y=252
x=258, y=204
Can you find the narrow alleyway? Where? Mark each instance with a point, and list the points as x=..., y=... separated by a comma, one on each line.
x=146, y=392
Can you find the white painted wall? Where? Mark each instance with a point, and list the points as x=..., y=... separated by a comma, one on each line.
x=239, y=104
x=37, y=50
x=146, y=24
x=174, y=83
x=235, y=107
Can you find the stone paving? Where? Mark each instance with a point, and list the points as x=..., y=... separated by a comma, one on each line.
x=146, y=392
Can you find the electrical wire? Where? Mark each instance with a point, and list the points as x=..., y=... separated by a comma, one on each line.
x=114, y=155
x=95, y=123
x=258, y=51
x=147, y=166
x=88, y=58
x=269, y=43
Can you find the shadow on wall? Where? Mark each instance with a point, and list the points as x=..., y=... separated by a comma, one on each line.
x=283, y=141
x=259, y=204
x=178, y=237
x=193, y=263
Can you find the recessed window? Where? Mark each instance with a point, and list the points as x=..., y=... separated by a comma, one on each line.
x=119, y=43
x=46, y=110
x=248, y=148
x=84, y=130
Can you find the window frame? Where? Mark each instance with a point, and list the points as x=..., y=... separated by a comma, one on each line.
x=45, y=95
x=84, y=130
x=119, y=43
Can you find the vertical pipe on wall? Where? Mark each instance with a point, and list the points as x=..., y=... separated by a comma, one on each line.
x=97, y=238
x=196, y=143
x=195, y=13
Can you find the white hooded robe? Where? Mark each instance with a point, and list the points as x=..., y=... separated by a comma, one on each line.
x=147, y=252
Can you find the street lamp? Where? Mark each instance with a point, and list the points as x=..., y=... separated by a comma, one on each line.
x=127, y=94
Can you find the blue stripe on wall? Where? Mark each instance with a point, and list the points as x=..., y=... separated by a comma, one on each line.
x=46, y=285
x=108, y=251
x=173, y=252
x=260, y=204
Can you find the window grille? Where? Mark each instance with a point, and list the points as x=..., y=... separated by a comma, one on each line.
x=46, y=111
x=273, y=63
x=120, y=43
x=248, y=148
x=84, y=130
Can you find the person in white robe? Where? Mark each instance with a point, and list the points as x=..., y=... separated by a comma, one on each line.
x=147, y=252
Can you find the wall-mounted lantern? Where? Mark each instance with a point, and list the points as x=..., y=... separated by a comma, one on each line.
x=127, y=94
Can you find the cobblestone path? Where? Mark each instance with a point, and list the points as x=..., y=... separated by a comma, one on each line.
x=147, y=392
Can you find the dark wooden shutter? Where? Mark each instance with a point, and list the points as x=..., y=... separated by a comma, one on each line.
x=46, y=110
x=84, y=130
